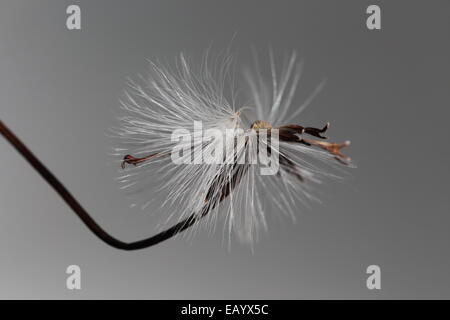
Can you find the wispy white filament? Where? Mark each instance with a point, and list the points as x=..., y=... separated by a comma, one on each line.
x=175, y=98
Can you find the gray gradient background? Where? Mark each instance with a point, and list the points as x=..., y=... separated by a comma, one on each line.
x=388, y=91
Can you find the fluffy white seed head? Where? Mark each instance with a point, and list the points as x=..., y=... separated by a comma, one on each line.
x=181, y=97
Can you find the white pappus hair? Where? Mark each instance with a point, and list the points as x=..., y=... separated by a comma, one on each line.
x=237, y=195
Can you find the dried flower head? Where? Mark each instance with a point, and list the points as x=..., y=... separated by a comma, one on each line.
x=187, y=114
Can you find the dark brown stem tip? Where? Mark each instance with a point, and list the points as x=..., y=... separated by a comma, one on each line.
x=317, y=132
x=129, y=159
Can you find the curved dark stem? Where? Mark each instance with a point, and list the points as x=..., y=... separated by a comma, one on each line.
x=83, y=214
